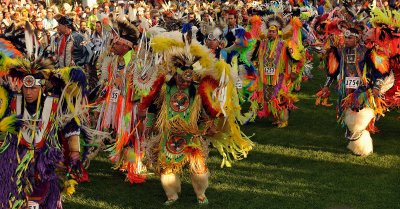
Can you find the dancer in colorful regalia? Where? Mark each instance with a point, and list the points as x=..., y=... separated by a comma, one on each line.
x=238, y=56
x=272, y=96
x=118, y=102
x=385, y=36
x=296, y=54
x=186, y=109
x=362, y=76
x=322, y=41
x=43, y=112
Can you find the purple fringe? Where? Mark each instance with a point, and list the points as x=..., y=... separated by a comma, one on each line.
x=46, y=165
x=46, y=160
x=77, y=75
x=278, y=86
x=278, y=52
x=8, y=163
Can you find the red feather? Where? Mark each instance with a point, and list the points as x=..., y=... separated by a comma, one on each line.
x=155, y=89
x=206, y=87
x=333, y=63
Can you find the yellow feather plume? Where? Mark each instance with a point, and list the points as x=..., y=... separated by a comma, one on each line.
x=8, y=123
x=69, y=187
x=218, y=69
x=380, y=16
x=198, y=50
x=385, y=16
x=396, y=18
x=3, y=101
x=5, y=64
x=161, y=44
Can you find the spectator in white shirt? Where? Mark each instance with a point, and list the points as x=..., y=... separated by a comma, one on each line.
x=49, y=23
x=7, y=18
x=98, y=37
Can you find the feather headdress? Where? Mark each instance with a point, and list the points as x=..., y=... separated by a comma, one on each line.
x=387, y=17
x=211, y=30
x=274, y=21
x=352, y=28
x=22, y=36
x=127, y=32
x=181, y=53
x=256, y=25
x=8, y=49
x=25, y=72
x=23, y=67
x=319, y=23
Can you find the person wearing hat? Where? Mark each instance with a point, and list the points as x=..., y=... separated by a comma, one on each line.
x=120, y=100
x=271, y=94
x=155, y=17
x=72, y=50
x=49, y=23
x=107, y=10
x=238, y=56
x=213, y=38
x=45, y=138
x=66, y=8
x=24, y=14
x=181, y=120
x=360, y=74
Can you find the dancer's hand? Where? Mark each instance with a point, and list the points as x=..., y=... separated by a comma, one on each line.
x=211, y=131
x=323, y=95
x=293, y=76
x=325, y=92
x=142, y=115
x=74, y=155
x=376, y=92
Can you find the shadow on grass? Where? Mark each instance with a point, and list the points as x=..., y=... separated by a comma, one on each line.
x=309, y=183
x=273, y=181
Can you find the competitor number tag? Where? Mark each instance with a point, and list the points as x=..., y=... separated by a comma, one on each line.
x=269, y=71
x=114, y=95
x=352, y=82
x=33, y=205
x=239, y=83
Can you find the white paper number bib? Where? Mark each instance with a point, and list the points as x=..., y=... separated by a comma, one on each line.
x=239, y=83
x=114, y=95
x=33, y=205
x=269, y=71
x=352, y=82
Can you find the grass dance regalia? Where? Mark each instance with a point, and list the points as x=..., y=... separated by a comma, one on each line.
x=43, y=112
x=23, y=37
x=385, y=36
x=186, y=109
x=296, y=54
x=238, y=56
x=273, y=96
x=321, y=43
x=362, y=76
x=118, y=102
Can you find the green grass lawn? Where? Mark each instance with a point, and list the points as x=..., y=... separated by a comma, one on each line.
x=305, y=165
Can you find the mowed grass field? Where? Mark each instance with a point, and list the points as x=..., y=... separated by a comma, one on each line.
x=305, y=165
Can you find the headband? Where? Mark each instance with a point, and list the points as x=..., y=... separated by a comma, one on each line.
x=123, y=41
x=29, y=81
